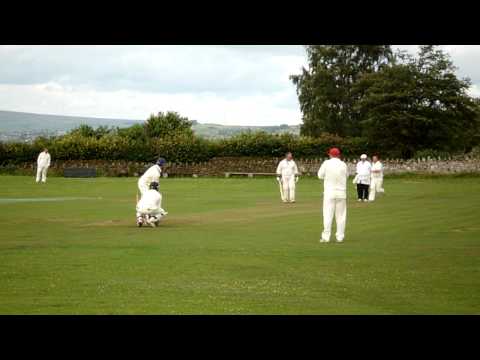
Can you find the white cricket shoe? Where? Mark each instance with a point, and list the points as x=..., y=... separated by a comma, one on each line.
x=359, y=200
x=324, y=241
x=152, y=223
x=139, y=221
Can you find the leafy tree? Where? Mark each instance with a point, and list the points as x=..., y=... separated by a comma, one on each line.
x=168, y=125
x=418, y=104
x=134, y=132
x=325, y=90
x=83, y=130
x=102, y=131
x=88, y=131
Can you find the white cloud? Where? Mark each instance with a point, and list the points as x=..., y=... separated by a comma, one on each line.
x=53, y=98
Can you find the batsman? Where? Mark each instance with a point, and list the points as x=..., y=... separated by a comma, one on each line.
x=287, y=176
x=151, y=175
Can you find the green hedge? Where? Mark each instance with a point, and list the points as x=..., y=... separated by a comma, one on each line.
x=178, y=149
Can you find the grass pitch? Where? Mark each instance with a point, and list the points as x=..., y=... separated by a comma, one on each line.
x=229, y=246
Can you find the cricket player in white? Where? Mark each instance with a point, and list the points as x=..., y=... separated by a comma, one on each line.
x=151, y=175
x=149, y=208
x=287, y=176
x=376, y=181
x=363, y=178
x=334, y=174
x=43, y=163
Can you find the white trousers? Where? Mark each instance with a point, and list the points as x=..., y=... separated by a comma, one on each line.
x=142, y=186
x=376, y=185
x=158, y=213
x=337, y=208
x=288, y=187
x=42, y=173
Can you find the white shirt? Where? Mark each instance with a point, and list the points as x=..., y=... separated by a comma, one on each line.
x=151, y=175
x=377, y=166
x=287, y=168
x=334, y=173
x=363, y=171
x=150, y=201
x=43, y=159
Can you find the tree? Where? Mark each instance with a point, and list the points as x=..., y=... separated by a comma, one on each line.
x=168, y=125
x=134, y=132
x=418, y=104
x=85, y=130
x=326, y=89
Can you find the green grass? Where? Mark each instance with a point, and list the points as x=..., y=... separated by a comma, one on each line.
x=228, y=246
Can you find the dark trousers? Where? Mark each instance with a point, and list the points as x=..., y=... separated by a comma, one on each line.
x=362, y=191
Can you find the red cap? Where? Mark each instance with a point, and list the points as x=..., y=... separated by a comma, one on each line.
x=334, y=152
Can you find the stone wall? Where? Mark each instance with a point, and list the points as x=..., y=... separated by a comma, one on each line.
x=219, y=166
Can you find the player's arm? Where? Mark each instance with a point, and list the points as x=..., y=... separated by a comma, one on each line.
x=321, y=171
x=279, y=170
x=295, y=170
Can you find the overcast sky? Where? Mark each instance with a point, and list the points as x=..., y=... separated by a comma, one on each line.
x=231, y=85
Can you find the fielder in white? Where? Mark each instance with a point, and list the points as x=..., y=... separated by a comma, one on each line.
x=287, y=176
x=334, y=174
x=151, y=175
x=376, y=181
x=149, y=208
x=43, y=163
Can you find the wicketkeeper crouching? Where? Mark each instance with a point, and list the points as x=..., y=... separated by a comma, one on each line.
x=149, y=208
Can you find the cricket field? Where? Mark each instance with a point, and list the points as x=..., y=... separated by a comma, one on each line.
x=229, y=246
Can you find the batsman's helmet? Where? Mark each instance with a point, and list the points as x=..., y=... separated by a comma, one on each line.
x=154, y=185
x=161, y=162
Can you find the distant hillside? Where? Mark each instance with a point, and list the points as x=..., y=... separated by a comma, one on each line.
x=12, y=124
x=214, y=131
x=12, y=121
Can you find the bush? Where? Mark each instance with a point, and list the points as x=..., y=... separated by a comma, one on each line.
x=261, y=144
x=186, y=148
